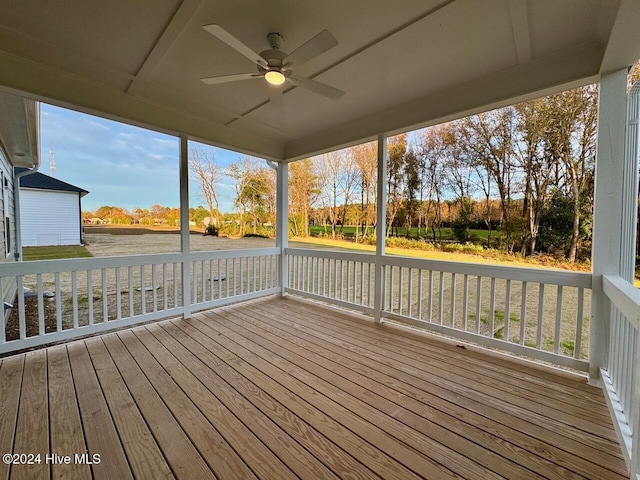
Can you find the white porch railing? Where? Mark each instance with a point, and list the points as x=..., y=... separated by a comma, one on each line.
x=77, y=297
x=621, y=383
x=531, y=312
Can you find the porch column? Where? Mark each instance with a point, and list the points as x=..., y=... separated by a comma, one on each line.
x=185, y=248
x=381, y=222
x=607, y=249
x=282, y=223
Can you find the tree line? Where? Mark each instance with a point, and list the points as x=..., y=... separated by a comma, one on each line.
x=523, y=174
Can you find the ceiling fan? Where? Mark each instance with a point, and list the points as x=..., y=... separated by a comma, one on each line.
x=275, y=65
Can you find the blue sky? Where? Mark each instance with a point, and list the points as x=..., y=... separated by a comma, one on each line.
x=120, y=164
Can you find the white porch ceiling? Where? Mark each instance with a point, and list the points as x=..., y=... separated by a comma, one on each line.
x=402, y=64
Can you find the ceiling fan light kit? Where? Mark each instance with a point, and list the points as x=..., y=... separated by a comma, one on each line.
x=274, y=77
x=275, y=65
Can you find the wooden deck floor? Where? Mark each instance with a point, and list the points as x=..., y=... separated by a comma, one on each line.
x=282, y=389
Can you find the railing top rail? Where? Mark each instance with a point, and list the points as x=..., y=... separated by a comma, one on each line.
x=353, y=256
x=93, y=263
x=75, y=264
x=528, y=274
x=244, y=252
x=624, y=296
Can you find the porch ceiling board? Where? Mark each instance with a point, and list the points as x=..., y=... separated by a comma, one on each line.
x=402, y=64
x=284, y=388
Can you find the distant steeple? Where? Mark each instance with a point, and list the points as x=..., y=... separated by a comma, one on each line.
x=52, y=162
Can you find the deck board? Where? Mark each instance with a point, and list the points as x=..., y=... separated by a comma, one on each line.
x=10, y=382
x=64, y=417
x=287, y=388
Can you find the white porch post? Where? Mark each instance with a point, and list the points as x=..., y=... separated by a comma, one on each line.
x=282, y=223
x=608, y=218
x=381, y=221
x=185, y=248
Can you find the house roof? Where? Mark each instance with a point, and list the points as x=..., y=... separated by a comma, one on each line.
x=45, y=182
x=19, y=129
x=403, y=64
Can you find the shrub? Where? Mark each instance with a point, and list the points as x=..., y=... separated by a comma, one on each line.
x=211, y=230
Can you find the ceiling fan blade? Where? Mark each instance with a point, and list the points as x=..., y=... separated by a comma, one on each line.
x=312, y=48
x=220, y=33
x=230, y=78
x=317, y=87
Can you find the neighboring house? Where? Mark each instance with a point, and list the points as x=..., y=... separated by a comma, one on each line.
x=19, y=147
x=50, y=211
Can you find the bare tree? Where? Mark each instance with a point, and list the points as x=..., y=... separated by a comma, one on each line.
x=303, y=193
x=366, y=159
x=203, y=164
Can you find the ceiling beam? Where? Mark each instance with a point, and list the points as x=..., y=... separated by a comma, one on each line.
x=545, y=75
x=520, y=27
x=622, y=47
x=175, y=27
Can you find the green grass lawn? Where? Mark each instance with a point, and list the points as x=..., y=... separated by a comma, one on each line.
x=444, y=233
x=55, y=252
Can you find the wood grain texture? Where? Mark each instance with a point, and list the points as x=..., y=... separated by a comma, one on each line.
x=32, y=428
x=67, y=437
x=10, y=384
x=182, y=456
x=287, y=388
x=100, y=432
x=144, y=455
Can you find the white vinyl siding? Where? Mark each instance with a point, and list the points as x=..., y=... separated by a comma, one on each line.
x=49, y=217
x=8, y=239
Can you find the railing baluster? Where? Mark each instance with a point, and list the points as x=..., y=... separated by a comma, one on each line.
x=465, y=301
x=253, y=272
x=492, y=308
x=165, y=293
x=507, y=310
x=478, y=302
x=578, y=341
x=56, y=282
x=540, y=315
x=74, y=295
x=130, y=287
x=453, y=300
x=410, y=291
x=361, y=282
x=420, y=294
x=260, y=273
x=400, y=289
x=40, y=304
x=105, y=297
x=392, y=287
x=118, y=295
x=523, y=313
x=22, y=324
x=430, y=295
x=348, y=280
x=176, y=284
x=557, y=340
x=89, y=294
x=203, y=281
x=220, y=278
x=441, y=300
x=154, y=287
x=143, y=291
